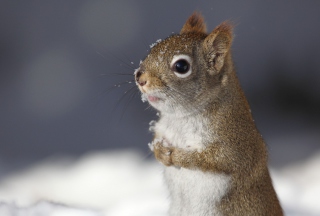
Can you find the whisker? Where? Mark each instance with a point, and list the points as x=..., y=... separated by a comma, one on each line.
x=121, y=99
x=118, y=74
x=147, y=47
x=110, y=89
x=121, y=83
x=132, y=92
x=128, y=59
x=149, y=107
x=129, y=66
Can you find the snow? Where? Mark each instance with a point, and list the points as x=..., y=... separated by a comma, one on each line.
x=124, y=183
x=158, y=41
x=44, y=208
x=155, y=141
x=136, y=71
x=152, y=125
x=144, y=97
x=298, y=187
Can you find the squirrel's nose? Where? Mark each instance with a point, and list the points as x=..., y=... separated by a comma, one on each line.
x=140, y=80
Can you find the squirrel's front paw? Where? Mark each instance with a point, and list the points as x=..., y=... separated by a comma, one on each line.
x=163, y=153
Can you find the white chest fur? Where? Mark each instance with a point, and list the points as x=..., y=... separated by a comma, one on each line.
x=183, y=132
x=193, y=192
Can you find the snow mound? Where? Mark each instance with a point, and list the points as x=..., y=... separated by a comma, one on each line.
x=124, y=183
x=298, y=187
x=117, y=183
x=44, y=209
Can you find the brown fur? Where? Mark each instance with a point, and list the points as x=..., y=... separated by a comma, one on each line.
x=195, y=23
x=237, y=148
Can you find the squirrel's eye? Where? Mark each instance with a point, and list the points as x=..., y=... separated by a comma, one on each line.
x=181, y=65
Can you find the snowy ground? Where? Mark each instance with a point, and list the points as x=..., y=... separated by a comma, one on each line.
x=124, y=183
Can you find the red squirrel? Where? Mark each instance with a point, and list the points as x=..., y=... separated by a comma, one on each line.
x=215, y=159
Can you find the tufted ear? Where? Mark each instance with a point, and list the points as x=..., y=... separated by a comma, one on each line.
x=217, y=44
x=195, y=23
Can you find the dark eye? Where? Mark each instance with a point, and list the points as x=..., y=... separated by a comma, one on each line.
x=181, y=66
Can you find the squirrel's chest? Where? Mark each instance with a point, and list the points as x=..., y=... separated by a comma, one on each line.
x=187, y=133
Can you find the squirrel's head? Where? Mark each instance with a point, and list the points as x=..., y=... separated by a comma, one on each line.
x=186, y=71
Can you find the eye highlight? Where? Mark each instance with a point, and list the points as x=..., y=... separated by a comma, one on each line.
x=181, y=65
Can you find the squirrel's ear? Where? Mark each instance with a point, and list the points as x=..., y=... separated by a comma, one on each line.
x=195, y=23
x=217, y=44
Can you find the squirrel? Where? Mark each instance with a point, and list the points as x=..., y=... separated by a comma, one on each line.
x=215, y=159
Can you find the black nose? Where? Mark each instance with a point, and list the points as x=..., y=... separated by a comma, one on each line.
x=138, y=74
x=140, y=82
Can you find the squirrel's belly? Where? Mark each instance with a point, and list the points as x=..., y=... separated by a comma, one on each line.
x=194, y=192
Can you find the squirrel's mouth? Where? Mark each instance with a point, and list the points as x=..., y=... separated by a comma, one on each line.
x=153, y=99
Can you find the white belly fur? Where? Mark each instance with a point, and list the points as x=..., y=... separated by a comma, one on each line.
x=193, y=192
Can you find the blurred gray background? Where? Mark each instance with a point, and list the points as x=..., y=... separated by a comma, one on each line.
x=60, y=61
